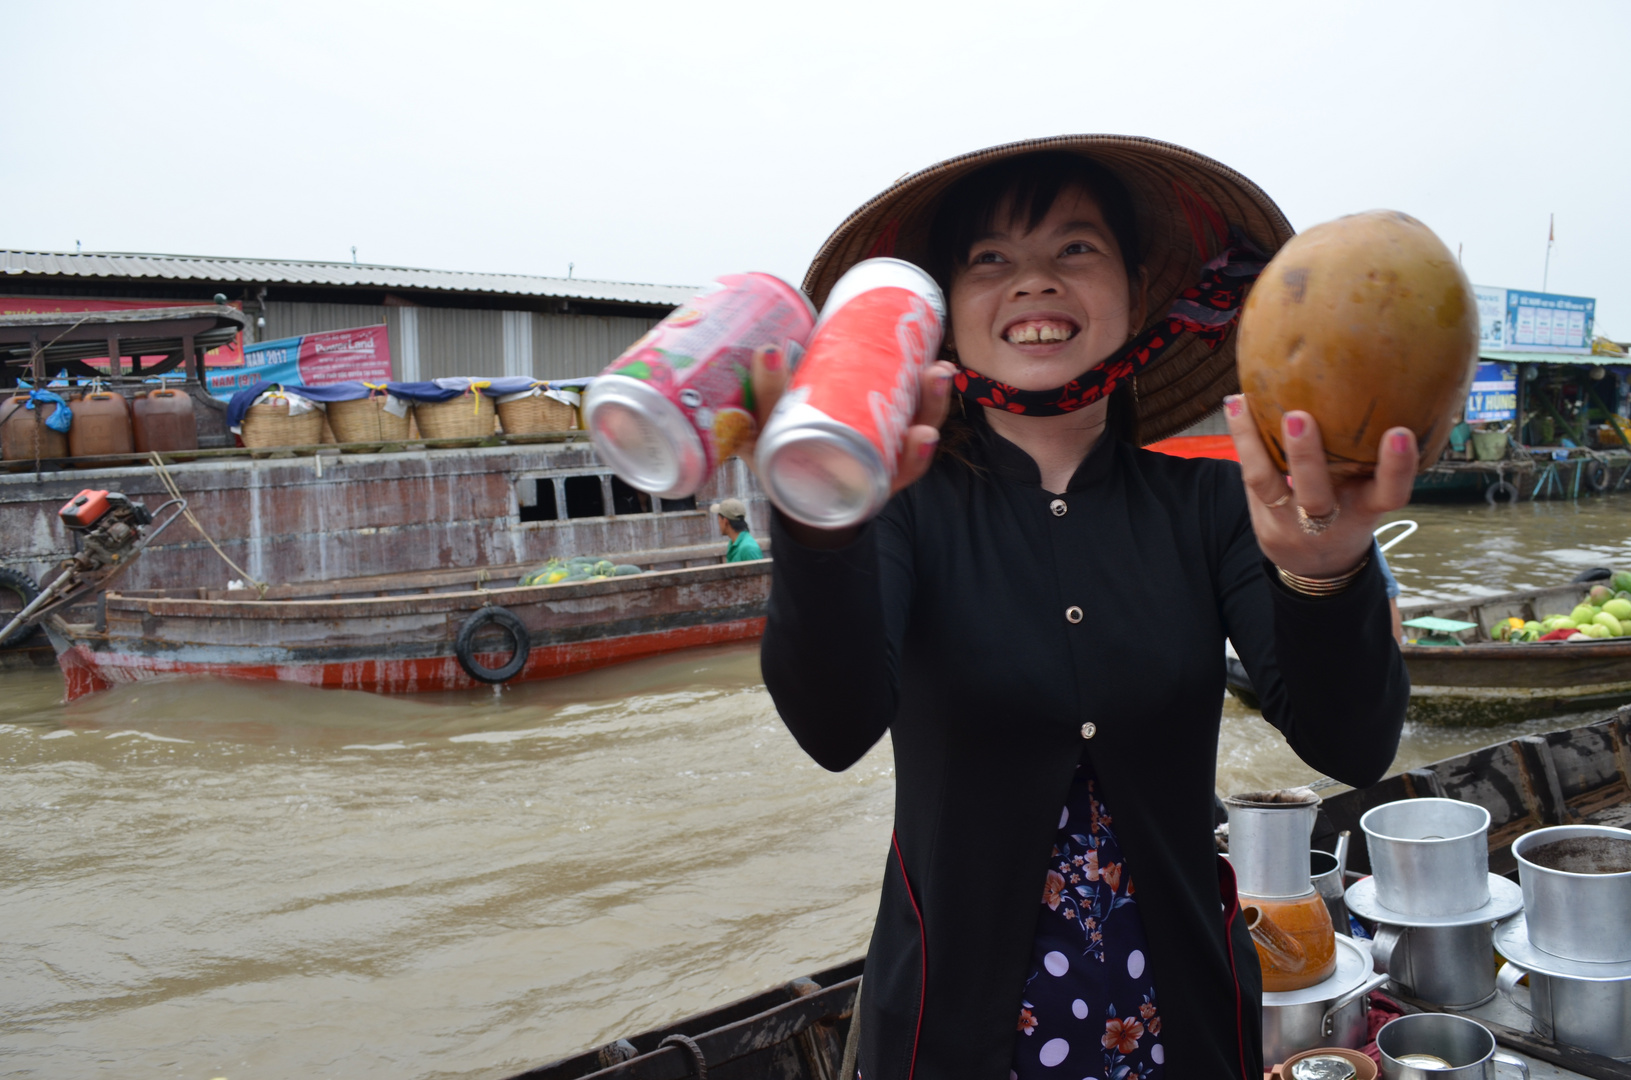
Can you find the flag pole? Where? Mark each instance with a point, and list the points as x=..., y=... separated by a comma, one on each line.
x=1551, y=234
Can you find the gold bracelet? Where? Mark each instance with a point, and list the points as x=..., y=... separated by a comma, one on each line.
x=1309, y=586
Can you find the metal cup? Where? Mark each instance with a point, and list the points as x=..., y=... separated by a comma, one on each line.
x=1453, y=966
x=1465, y=1046
x=1268, y=845
x=1430, y=857
x=1591, y=1015
x=1578, y=916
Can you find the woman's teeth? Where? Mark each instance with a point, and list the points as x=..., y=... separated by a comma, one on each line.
x=1040, y=332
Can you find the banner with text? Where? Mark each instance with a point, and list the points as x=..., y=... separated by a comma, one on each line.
x=1513, y=320
x=311, y=360
x=1494, y=394
x=228, y=355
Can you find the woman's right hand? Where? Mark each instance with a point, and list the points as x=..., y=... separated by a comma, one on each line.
x=770, y=379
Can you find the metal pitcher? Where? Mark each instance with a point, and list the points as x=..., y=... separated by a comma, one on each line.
x=1268, y=842
x=1594, y=1015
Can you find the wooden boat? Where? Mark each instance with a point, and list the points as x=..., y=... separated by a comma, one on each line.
x=417, y=632
x=1468, y=678
x=798, y=1031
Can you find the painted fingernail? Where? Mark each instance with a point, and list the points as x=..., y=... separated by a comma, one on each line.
x=942, y=383
x=1401, y=443
x=1233, y=403
x=772, y=358
x=925, y=449
x=1295, y=426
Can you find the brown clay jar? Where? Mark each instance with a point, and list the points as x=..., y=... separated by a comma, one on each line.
x=23, y=434
x=101, y=426
x=164, y=420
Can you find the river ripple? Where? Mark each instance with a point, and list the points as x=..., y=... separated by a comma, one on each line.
x=212, y=880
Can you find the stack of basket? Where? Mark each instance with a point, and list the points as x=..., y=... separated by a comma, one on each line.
x=535, y=412
x=366, y=420
x=274, y=421
x=471, y=415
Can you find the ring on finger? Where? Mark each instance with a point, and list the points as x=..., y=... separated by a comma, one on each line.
x=1313, y=525
x=1281, y=501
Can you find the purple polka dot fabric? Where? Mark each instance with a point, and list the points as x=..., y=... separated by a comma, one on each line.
x=1089, y=1007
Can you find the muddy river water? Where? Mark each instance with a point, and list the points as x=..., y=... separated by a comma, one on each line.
x=209, y=880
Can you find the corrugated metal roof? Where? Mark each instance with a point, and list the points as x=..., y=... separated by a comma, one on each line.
x=119, y=264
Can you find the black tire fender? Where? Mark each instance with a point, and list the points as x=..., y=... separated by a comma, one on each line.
x=464, y=646
x=1597, y=476
x=20, y=583
x=1499, y=490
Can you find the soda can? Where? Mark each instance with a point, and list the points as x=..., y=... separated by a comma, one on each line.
x=828, y=453
x=680, y=400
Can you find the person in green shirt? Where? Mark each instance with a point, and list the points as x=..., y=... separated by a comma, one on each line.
x=733, y=522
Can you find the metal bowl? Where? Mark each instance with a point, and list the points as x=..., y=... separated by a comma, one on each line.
x=1429, y=856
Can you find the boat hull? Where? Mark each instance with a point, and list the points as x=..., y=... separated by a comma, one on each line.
x=405, y=643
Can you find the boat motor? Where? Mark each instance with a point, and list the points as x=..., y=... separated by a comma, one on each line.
x=112, y=532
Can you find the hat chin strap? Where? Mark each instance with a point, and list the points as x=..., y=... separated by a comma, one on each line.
x=1208, y=309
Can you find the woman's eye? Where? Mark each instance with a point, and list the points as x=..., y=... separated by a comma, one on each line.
x=1078, y=247
x=985, y=257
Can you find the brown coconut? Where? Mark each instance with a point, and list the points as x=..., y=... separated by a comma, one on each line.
x=1368, y=323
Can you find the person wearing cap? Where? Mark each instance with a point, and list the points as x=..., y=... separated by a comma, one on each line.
x=1037, y=618
x=733, y=522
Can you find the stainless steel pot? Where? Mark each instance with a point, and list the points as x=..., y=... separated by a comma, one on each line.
x=1453, y=966
x=1590, y=1014
x=1329, y=1013
x=1268, y=844
x=1578, y=916
x=1429, y=856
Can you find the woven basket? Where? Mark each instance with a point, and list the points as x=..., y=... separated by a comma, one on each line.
x=536, y=414
x=459, y=418
x=269, y=424
x=365, y=420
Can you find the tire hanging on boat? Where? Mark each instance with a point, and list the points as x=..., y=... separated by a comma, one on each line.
x=1597, y=476
x=464, y=646
x=1499, y=490
x=23, y=585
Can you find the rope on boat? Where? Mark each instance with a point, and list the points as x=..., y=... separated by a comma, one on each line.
x=852, y=1044
x=175, y=493
x=689, y=1045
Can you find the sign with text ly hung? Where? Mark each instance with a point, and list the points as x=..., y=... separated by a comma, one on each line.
x=1494, y=394
x=311, y=360
x=1514, y=320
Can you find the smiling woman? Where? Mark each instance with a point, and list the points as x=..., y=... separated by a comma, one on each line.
x=1094, y=284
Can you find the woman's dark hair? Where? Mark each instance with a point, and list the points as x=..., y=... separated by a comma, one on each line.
x=1027, y=187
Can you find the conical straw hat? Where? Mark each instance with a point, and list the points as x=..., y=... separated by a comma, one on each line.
x=1185, y=204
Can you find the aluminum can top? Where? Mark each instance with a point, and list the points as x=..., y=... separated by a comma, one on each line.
x=882, y=273
x=645, y=437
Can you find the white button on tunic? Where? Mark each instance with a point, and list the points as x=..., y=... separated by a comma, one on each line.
x=1073, y=614
x=1058, y=507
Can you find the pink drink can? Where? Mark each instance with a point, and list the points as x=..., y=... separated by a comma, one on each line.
x=680, y=400
x=828, y=453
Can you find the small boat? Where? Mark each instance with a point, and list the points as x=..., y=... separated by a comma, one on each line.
x=433, y=630
x=798, y=1031
x=1463, y=676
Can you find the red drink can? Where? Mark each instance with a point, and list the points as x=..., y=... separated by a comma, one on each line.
x=828, y=453
x=680, y=400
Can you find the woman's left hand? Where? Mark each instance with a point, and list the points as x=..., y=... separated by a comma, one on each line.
x=1351, y=511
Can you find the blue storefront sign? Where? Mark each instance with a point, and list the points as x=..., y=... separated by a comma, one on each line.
x=1494, y=394
x=1548, y=322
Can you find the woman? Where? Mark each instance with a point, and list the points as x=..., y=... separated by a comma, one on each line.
x=1038, y=617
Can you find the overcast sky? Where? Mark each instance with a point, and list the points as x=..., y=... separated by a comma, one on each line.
x=670, y=142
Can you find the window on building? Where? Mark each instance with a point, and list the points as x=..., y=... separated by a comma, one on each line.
x=583, y=497
x=543, y=507
x=627, y=500
x=687, y=503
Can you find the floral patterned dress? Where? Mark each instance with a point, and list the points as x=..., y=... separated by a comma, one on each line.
x=1089, y=1007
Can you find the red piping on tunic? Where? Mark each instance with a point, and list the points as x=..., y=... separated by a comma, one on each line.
x=923, y=948
x=1226, y=885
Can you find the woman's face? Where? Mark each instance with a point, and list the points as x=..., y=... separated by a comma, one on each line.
x=1036, y=308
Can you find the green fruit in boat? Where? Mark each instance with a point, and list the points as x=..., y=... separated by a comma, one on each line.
x=1605, y=619
x=1620, y=609
x=1622, y=580
x=1600, y=593
x=1563, y=622
x=1531, y=625
x=1584, y=613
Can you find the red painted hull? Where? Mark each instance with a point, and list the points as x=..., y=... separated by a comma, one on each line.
x=89, y=671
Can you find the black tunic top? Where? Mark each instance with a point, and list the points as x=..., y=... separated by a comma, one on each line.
x=950, y=621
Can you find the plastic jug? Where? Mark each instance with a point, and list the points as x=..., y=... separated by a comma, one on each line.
x=101, y=426
x=165, y=420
